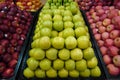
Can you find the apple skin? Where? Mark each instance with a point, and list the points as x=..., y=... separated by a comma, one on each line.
x=109, y=42
x=116, y=60
x=107, y=59
x=95, y=72
x=92, y=62
x=51, y=73
x=103, y=50
x=63, y=73
x=8, y=73
x=113, y=50
x=40, y=73
x=70, y=64
x=97, y=36
x=81, y=65
x=113, y=70
x=114, y=34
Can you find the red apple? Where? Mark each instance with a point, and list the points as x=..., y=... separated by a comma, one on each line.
x=106, y=22
x=116, y=60
x=103, y=50
x=93, y=25
x=113, y=70
x=110, y=27
x=8, y=73
x=15, y=55
x=2, y=49
x=7, y=57
x=101, y=29
x=2, y=67
x=114, y=34
x=97, y=36
x=100, y=43
x=113, y=51
x=100, y=12
x=12, y=63
x=117, y=41
x=103, y=17
x=109, y=42
x=105, y=35
x=98, y=24
x=95, y=31
x=107, y=59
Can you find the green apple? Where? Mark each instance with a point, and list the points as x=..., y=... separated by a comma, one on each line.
x=57, y=17
x=36, y=30
x=85, y=73
x=64, y=54
x=67, y=13
x=47, y=24
x=67, y=18
x=83, y=42
x=57, y=12
x=68, y=24
x=63, y=73
x=45, y=32
x=28, y=73
x=68, y=32
x=51, y=53
x=74, y=73
x=54, y=1
x=35, y=43
x=92, y=62
x=77, y=18
x=58, y=64
x=58, y=25
x=79, y=24
x=45, y=64
x=61, y=7
x=64, y=1
x=60, y=34
x=67, y=6
x=95, y=72
x=88, y=53
x=73, y=9
x=37, y=53
x=51, y=73
x=58, y=42
x=59, y=1
x=46, y=17
x=76, y=54
x=70, y=42
x=32, y=63
x=40, y=73
x=54, y=33
x=80, y=31
x=58, y=4
x=70, y=64
x=44, y=42
x=81, y=65
x=36, y=36
x=49, y=1
x=70, y=1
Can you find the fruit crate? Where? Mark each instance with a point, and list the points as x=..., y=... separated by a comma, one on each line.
x=23, y=65
x=108, y=76
x=21, y=54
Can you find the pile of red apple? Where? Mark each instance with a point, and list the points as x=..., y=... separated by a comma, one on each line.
x=105, y=24
x=29, y=5
x=14, y=25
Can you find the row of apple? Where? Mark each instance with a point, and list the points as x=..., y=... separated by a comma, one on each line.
x=61, y=44
x=104, y=22
x=14, y=25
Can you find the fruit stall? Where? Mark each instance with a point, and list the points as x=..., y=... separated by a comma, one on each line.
x=60, y=39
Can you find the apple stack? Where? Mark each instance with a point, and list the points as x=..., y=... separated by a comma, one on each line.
x=14, y=25
x=61, y=44
x=105, y=24
x=29, y=5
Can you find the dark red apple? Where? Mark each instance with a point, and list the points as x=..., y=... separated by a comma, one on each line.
x=107, y=59
x=2, y=67
x=116, y=60
x=117, y=41
x=15, y=55
x=16, y=36
x=113, y=70
x=8, y=73
x=19, y=30
x=12, y=63
x=2, y=49
x=13, y=42
x=7, y=57
x=5, y=43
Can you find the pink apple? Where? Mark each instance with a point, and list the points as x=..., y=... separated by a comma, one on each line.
x=93, y=25
x=95, y=31
x=100, y=12
x=103, y=50
x=100, y=43
x=109, y=42
x=96, y=18
x=103, y=17
x=106, y=22
x=116, y=60
x=113, y=70
x=90, y=21
x=97, y=36
x=107, y=59
x=110, y=27
x=114, y=34
x=117, y=41
x=105, y=35
x=98, y=24
x=101, y=29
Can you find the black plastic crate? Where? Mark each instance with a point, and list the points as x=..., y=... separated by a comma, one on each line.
x=20, y=75
x=99, y=52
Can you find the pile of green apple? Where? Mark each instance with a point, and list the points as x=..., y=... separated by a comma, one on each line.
x=61, y=44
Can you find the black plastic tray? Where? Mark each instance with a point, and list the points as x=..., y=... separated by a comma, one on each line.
x=21, y=54
x=20, y=75
x=108, y=76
